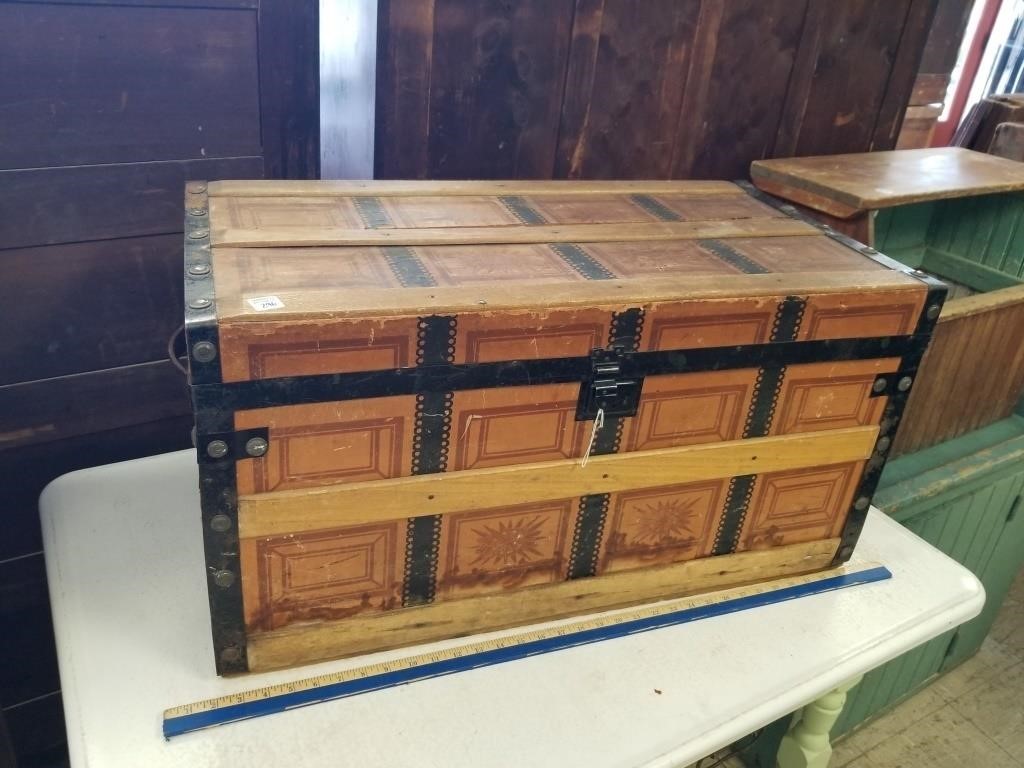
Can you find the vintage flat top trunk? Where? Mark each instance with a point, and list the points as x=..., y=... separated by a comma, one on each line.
x=426, y=409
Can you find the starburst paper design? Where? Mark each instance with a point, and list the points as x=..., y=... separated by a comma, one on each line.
x=508, y=543
x=666, y=522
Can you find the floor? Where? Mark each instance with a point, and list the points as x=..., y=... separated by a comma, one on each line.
x=973, y=716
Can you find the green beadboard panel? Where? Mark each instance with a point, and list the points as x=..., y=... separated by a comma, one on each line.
x=977, y=241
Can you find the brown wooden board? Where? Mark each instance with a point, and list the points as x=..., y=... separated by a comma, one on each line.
x=367, y=446
x=846, y=185
x=153, y=96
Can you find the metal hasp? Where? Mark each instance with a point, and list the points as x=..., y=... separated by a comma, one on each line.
x=607, y=389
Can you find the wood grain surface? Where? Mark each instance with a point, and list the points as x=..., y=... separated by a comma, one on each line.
x=844, y=185
x=589, y=89
x=361, y=634
x=291, y=511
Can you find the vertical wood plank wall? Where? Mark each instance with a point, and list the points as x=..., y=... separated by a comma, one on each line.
x=106, y=109
x=637, y=88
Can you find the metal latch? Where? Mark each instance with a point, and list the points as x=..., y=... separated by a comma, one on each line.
x=607, y=389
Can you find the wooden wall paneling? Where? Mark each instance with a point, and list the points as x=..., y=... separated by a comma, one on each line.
x=633, y=88
x=496, y=81
x=724, y=123
x=30, y=468
x=45, y=206
x=405, y=38
x=945, y=36
x=902, y=76
x=846, y=49
x=89, y=306
x=66, y=406
x=37, y=731
x=125, y=84
x=150, y=3
x=579, y=83
x=25, y=616
x=289, y=81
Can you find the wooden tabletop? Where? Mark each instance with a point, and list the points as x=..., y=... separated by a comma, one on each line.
x=847, y=185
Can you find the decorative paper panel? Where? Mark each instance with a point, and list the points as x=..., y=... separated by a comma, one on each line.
x=819, y=396
x=322, y=575
x=327, y=443
x=660, y=526
x=686, y=409
x=796, y=506
x=509, y=548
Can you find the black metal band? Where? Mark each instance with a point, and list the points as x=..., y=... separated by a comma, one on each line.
x=624, y=333
x=581, y=261
x=732, y=257
x=407, y=267
x=892, y=415
x=451, y=377
x=202, y=337
x=767, y=386
x=431, y=436
x=737, y=499
x=522, y=210
x=372, y=212
x=586, y=541
x=655, y=208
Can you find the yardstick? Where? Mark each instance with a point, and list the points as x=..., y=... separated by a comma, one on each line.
x=446, y=661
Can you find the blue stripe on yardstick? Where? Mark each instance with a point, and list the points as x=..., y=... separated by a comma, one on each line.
x=175, y=726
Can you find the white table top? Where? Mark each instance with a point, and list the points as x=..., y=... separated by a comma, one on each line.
x=125, y=565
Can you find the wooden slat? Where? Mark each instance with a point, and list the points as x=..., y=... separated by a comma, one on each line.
x=283, y=512
x=567, y=233
x=46, y=206
x=843, y=185
x=406, y=188
x=66, y=406
x=131, y=307
x=394, y=629
x=975, y=276
x=309, y=305
x=971, y=375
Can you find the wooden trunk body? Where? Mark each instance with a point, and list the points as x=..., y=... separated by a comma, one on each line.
x=437, y=408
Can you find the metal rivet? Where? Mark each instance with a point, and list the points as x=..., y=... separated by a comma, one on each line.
x=883, y=444
x=879, y=385
x=933, y=311
x=198, y=234
x=220, y=523
x=846, y=553
x=231, y=654
x=197, y=187
x=216, y=449
x=256, y=446
x=223, y=579
x=196, y=211
x=199, y=303
x=204, y=351
x=904, y=384
x=199, y=269
x=919, y=272
x=862, y=503
x=482, y=301
x=869, y=251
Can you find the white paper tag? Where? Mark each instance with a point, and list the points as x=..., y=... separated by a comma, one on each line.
x=263, y=303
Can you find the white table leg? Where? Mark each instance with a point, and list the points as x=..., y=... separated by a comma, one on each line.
x=806, y=744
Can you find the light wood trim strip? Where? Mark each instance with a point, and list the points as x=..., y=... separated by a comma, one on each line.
x=284, y=188
x=316, y=306
x=567, y=233
x=284, y=512
x=1002, y=298
x=409, y=626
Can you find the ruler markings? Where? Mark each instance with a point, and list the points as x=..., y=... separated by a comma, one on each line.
x=281, y=697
